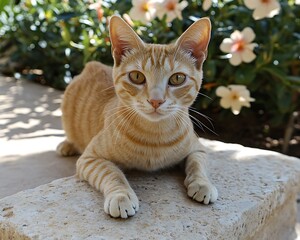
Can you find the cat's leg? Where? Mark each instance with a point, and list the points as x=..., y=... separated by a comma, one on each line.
x=198, y=185
x=66, y=148
x=105, y=176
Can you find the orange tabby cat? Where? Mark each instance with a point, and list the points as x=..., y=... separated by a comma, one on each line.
x=135, y=115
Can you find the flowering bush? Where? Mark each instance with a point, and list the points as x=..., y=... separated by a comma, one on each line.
x=253, y=54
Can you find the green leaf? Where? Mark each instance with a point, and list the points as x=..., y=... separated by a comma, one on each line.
x=294, y=79
x=210, y=69
x=284, y=99
x=3, y=3
x=275, y=71
x=245, y=75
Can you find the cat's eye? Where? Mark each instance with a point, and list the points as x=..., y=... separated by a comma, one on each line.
x=137, y=77
x=177, y=79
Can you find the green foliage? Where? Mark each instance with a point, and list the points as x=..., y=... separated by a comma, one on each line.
x=60, y=36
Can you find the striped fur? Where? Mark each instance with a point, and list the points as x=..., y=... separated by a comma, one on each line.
x=110, y=121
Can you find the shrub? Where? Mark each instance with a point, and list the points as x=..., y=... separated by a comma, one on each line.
x=60, y=36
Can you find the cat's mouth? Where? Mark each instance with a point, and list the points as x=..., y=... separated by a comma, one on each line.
x=154, y=115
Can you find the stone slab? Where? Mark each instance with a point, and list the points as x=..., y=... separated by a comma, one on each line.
x=256, y=189
x=30, y=130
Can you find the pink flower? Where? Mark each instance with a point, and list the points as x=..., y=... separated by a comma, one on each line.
x=172, y=8
x=206, y=4
x=143, y=10
x=240, y=46
x=263, y=8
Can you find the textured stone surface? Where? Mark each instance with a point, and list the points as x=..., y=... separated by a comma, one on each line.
x=257, y=189
x=30, y=130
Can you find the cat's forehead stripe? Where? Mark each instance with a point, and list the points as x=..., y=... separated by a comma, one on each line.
x=148, y=64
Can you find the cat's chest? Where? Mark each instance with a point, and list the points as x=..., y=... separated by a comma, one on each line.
x=152, y=154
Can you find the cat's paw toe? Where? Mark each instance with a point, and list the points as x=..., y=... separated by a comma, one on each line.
x=66, y=149
x=202, y=192
x=121, y=204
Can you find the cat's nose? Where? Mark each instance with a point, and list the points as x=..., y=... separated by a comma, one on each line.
x=156, y=102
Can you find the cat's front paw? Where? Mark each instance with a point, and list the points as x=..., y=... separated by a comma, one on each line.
x=122, y=204
x=202, y=191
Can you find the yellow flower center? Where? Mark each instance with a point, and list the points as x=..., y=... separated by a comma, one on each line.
x=234, y=96
x=145, y=7
x=238, y=46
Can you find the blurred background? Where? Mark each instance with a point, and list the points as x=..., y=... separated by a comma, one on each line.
x=251, y=86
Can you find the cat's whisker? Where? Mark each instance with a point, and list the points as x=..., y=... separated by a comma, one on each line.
x=202, y=115
x=204, y=95
x=119, y=113
x=115, y=108
x=203, y=125
x=107, y=88
x=121, y=116
x=196, y=110
x=206, y=117
x=196, y=123
x=125, y=120
x=178, y=122
x=184, y=122
x=116, y=131
x=181, y=114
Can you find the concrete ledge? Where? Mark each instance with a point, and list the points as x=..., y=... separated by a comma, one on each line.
x=257, y=201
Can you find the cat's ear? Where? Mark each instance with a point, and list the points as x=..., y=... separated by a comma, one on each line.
x=195, y=39
x=122, y=38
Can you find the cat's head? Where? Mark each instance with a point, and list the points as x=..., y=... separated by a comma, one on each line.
x=158, y=80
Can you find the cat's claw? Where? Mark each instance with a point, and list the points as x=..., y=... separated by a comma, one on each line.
x=122, y=204
x=202, y=191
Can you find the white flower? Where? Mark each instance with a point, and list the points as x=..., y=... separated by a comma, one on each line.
x=143, y=10
x=96, y=5
x=297, y=2
x=263, y=8
x=172, y=8
x=127, y=18
x=206, y=4
x=234, y=97
x=240, y=46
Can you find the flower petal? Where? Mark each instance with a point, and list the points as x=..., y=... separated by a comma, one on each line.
x=236, y=107
x=236, y=59
x=183, y=5
x=225, y=103
x=172, y=15
x=136, y=14
x=251, y=46
x=273, y=8
x=237, y=87
x=248, y=34
x=236, y=35
x=260, y=12
x=252, y=4
x=206, y=4
x=226, y=45
x=222, y=91
x=247, y=55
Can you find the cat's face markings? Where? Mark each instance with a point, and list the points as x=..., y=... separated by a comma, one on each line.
x=156, y=92
x=158, y=80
